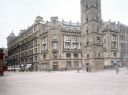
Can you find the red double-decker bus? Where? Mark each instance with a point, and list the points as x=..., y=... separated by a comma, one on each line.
x=1, y=62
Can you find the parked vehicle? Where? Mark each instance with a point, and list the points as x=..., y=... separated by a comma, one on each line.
x=13, y=68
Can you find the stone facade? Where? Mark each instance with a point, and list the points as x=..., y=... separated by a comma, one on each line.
x=123, y=40
x=54, y=45
x=59, y=45
x=111, y=44
x=115, y=43
x=92, y=35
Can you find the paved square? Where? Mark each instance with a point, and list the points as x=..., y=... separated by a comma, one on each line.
x=65, y=83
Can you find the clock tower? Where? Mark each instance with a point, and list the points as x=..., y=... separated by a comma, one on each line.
x=92, y=36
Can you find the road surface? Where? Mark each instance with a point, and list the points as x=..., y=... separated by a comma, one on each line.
x=65, y=83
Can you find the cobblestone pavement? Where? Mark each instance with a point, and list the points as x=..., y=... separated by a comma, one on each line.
x=65, y=83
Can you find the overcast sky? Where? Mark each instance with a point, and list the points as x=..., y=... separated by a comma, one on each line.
x=19, y=14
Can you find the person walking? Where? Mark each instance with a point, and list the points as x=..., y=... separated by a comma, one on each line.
x=117, y=69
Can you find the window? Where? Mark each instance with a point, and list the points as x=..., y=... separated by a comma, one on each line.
x=75, y=45
x=44, y=43
x=68, y=55
x=104, y=40
x=54, y=36
x=98, y=39
x=98, y=55
x=114, y=54
x=96, y=4
x=44, y=47
x=31, y=59
x=122, y=37
x=35, y=50
x=44, y=40
x=87, y=56
x=86, y=7
x=74, y=39
x=30, y=45
x=113, y=37
x=97, y=18
x=123, y=45
x=35, y=43
x=55, y=55
x=97, y=29
x=67, y=45
x=26, y=46
x=69, y=65
x=86, y=19
x=87, y=43
x=87, y=31
x=67, y=38
x=35, y=59
x=127, y=54
x=26, y=53
x=126, y=38
x=76, y=63
x=31, y=52
x=75, y=55
x=22, y=54
x=44, y=56
x=54, y=45
x=127, y=45
x=22, y=61
x=113, y=45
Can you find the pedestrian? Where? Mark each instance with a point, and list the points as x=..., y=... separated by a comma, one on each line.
x=65, y=69
x=117, y=69
x=87, y=69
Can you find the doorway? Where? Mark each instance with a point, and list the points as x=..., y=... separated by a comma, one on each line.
x=55, y=66
x=88, y=68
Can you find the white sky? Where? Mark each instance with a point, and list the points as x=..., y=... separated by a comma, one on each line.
x=19, y=14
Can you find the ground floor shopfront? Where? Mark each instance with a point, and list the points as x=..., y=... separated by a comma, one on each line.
x=58, y=65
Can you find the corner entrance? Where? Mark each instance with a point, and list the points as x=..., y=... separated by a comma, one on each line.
x=55, y=66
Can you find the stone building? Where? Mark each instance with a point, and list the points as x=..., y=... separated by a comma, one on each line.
x=123, y=40
x=59, y=45
x=115, y=43
x=54, y=45
x=92, y=35
x=24, y=49
x=111, y=43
